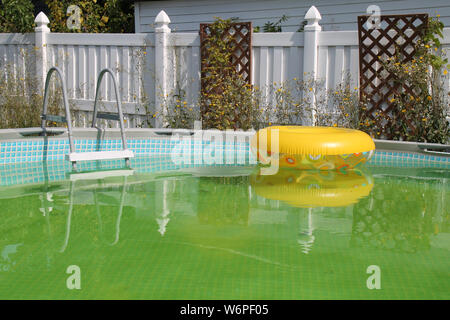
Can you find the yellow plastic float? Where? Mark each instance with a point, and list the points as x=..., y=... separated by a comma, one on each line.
x=317, y=148
x=308, y=189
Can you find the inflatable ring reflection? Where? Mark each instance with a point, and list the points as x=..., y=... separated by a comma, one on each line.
x=307, y=189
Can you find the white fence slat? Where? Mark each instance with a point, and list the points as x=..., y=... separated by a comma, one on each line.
x=256, y=53
x=322, y=64
x=293, y=64
x=354, y=66
x=92, y=73
x=104, y=64
x=113, y=65
x=195, y=63
x=338, y=65
x=138, y=75
x=263, y=67
x=125, y=73
x=71, y=64
x=278, y=64
x=80, y=74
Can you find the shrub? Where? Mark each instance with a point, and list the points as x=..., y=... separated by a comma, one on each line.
x=16, y=16
x=178, y=113
x=96, y=16
x=21, y=99
x=420, y=102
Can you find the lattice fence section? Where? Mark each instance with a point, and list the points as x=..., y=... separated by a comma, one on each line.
x=240, y=38
x=391, y=35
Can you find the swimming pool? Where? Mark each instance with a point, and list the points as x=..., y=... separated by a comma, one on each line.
x=190, y=230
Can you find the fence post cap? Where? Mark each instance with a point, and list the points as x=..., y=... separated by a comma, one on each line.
x=313, y=15
x=162, y=18
x=41, y=21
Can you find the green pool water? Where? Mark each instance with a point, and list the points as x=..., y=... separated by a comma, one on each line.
x=194, y=235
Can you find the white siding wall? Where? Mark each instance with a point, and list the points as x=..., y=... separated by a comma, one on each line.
x=337, y=14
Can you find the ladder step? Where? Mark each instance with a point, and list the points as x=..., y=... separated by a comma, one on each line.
x=108, y=116
x=50, y=117
x=99, y=155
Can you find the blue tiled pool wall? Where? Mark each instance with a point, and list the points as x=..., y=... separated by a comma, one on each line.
x=21, y=162
x=25, y=162
x=408, y=160
x=56, y=149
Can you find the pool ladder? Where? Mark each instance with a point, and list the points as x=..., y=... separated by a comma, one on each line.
x=74, y=156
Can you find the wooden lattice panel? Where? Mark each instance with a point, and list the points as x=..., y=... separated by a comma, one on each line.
x=240, y=40
x=393, y=34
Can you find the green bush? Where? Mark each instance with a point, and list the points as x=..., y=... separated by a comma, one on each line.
x=21, y=99
x=16, y=16
x=106, y=16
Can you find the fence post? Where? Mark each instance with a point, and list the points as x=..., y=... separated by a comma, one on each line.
x=40, y=32
x=310, y=51
x=162, y=31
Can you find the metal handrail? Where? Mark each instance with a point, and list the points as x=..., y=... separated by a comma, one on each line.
x=66, y=104
x=118, y=101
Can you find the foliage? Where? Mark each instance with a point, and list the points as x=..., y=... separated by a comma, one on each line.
x=16, y=16
x=113, y=16
x=302, y=26
x=20, y=99
x=419, y=113
x=274, y=26
x=339, y=106
x=226, y=100
x=289, y=102
x=178, y=113
x=298, y=101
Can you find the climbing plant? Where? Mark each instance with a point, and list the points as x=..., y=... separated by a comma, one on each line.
x=226, y=99
x=420, y=100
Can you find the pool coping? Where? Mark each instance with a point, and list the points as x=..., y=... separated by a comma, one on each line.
x=111, y=133
x=413, y=147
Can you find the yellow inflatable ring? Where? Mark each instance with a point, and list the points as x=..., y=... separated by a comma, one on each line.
x=317, y=148
x=308, y=189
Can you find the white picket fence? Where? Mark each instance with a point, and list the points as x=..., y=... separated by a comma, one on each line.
x=149, y=66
